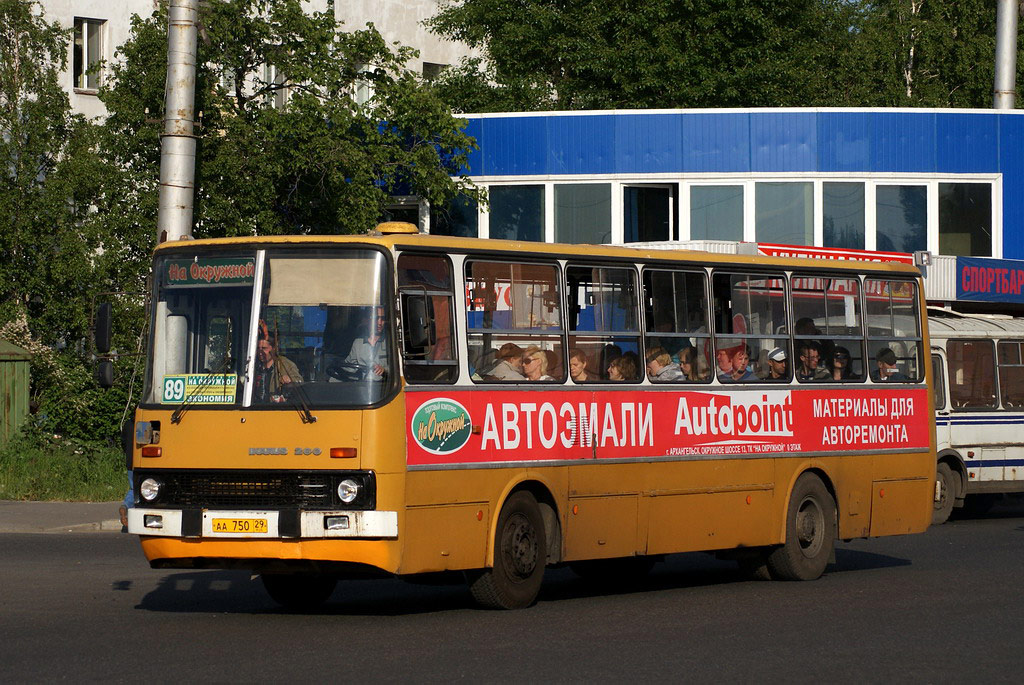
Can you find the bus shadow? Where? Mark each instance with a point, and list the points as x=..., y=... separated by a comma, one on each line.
x=236, y=592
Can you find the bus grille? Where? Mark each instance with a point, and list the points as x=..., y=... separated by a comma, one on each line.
x=248, y=489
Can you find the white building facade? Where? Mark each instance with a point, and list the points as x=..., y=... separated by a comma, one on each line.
x=101, y=26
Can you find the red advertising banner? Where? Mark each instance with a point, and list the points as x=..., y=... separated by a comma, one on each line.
x=774, y=250
x=472, y=427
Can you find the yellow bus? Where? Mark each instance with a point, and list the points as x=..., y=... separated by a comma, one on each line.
x=396, y=403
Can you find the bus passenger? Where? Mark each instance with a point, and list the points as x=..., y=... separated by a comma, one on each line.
x=273, y=371
x=510, y=364
x=578, y=366
x=660, y=367
x=777, y=365
x=609, y=353
x=693, y=366
x=886, y=372
x=535, y=364
x=740, y=361
x=810, y=356
x=723, y=359
x=841, y=370
x=622, y=369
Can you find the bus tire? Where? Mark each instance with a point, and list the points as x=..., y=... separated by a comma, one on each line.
x=810, y=532
x=947, y=482
x=298, y=592
x=520, y=555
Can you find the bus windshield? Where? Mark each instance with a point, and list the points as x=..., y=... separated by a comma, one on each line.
x=320, y=329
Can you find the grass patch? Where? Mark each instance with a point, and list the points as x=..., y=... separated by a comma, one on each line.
x=63, y=471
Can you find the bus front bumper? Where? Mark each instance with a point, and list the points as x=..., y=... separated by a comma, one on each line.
x=265, y=525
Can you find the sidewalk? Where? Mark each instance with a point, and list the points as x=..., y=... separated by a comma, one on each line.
x=58, y=517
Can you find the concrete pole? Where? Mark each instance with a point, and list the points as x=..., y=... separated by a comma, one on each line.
x=177, y=142
x=1007, y=13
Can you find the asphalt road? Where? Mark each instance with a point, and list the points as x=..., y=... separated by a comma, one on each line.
x=945, y=606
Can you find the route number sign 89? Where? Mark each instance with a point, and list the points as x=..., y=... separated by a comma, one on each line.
x=174, y=389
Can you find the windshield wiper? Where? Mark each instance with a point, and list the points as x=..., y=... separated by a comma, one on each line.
x=298, y=398
x=187, y=403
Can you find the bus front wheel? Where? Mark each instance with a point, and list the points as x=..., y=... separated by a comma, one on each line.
x=298, y=592
x=810, y=532
x=946, y=485
x=520, y=555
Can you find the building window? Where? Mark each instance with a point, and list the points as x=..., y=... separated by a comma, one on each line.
x=457, y=218
x=431, y=70
x=843, y=215
x=517, y=212
x=784, y=213
x=647, y=213
x=88, y=53
x=716, y=213
x=901, y=218
x=583, y=213
x=965, y=219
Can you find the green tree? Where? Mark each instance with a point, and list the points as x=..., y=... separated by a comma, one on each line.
x=586, y=54
x=924, y=53
x=284, y=145
x=51, y=245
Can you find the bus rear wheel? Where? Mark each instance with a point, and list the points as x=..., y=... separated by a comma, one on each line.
x=520, y=555
x=810, y=532
x=946, y=483
x=298, y=592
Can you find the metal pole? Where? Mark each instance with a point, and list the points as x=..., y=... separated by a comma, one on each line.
x=1007, y=12
x=177, y=142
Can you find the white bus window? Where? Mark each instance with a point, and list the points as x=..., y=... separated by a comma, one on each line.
x=603, y=322
x=940, y=382
x=972, y=374
x=427, y=297
x=676, y=320
x=893, y=321
x=749, y=314
x=1011, y=373
x=513, y=318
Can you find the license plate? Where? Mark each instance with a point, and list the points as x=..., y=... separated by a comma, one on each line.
x=239, y=525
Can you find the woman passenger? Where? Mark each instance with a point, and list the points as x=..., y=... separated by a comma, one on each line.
x=535, y=364
x=578, y=366
x=692, y=366
x=622, y=369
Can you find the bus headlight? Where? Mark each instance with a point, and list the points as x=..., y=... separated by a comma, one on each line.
x=149, y=489
x=348, y=490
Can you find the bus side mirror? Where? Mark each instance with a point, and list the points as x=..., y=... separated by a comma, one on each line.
x=416, y=323
x=103, y=327
x=105, y=373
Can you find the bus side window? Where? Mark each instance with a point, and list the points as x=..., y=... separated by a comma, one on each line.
x=675, y=307
x=893, y=318
x=603, y=321
x=748, y=310
x=1011, y=373
x=972, y=374
x=513, y=310
x=940, y=382
x=826, y=311
x=427, y=299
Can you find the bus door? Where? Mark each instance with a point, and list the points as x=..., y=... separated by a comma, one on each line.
x=942, y=413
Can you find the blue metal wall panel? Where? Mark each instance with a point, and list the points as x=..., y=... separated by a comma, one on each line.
x=475, y=158
x=580, y=145
x=966, y=143
x=903, y=142
x=844, y=141
x=716, y=143
x=1011, y=163
x=515, y=146
x=648, y=143
x=783, y=141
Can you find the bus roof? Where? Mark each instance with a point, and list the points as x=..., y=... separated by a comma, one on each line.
x=480, y=245
x=945, y=324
